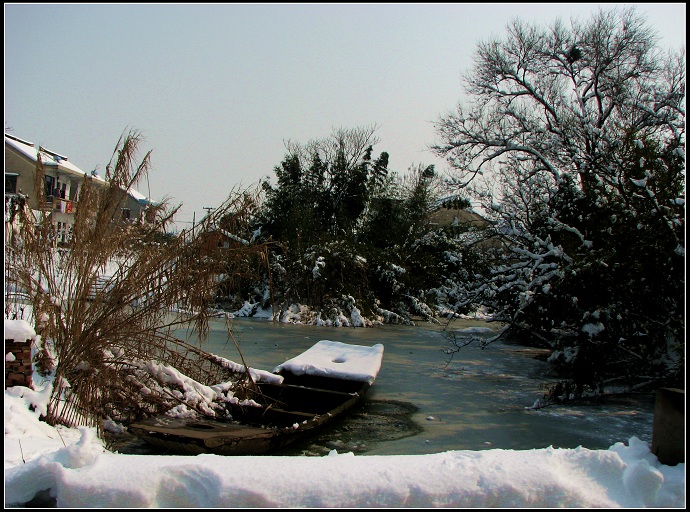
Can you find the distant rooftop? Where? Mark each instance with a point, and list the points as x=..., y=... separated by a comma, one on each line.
x=53, y=159
x=49, y=158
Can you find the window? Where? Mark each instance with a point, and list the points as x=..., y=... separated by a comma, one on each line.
x=74, y=191
x=50, y=185
x=62, y=232
x=11, y=183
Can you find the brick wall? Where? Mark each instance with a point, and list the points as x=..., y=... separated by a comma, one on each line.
x=18, y=372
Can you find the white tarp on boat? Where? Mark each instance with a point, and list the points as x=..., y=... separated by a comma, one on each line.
x=337, y=360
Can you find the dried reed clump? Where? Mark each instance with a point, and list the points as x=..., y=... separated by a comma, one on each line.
x=112, y=300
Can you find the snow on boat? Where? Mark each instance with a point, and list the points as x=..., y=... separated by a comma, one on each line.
x=317, y=386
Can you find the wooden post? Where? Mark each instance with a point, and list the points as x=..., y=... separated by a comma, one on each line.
x=668, y=434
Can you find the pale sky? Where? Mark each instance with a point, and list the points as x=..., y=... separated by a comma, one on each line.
x=216, y=89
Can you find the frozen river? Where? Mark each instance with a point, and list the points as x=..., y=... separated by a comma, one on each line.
x=422, y=403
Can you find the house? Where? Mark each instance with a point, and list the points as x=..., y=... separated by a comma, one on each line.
x=62, y=184
x=217, y=238
x=453, y=213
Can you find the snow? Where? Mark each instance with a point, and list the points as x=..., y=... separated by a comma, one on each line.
x=593, y=329
x=72, y=467
x=79, y=472
x=50, y=158
x=19, y=330
x=357, y=318
x=338, y=360
x=257, y=375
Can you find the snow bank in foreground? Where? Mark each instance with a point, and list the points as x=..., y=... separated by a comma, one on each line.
x=81, y=473
x=81, y=476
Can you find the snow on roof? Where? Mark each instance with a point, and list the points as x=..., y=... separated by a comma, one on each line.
x=234, y=237
x=49, y=158
x=141, y=198
x=53, y=159
x=337, y=360
x=12, y=137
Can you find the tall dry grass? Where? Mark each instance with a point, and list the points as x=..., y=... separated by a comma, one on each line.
x=110, y=302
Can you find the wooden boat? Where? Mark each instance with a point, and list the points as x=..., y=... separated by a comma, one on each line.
x=317, y=386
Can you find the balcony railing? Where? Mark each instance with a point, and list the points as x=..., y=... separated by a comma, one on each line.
x=54, y=203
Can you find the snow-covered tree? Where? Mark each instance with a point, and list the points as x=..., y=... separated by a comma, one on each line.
x=573, y=138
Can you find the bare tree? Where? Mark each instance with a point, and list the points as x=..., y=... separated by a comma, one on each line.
x=570, y=134
x=556, y=100
x=351, y=143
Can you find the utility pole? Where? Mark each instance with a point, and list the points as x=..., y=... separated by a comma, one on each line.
x=208, y=212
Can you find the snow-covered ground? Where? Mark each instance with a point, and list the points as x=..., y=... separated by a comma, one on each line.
x=71, y=468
